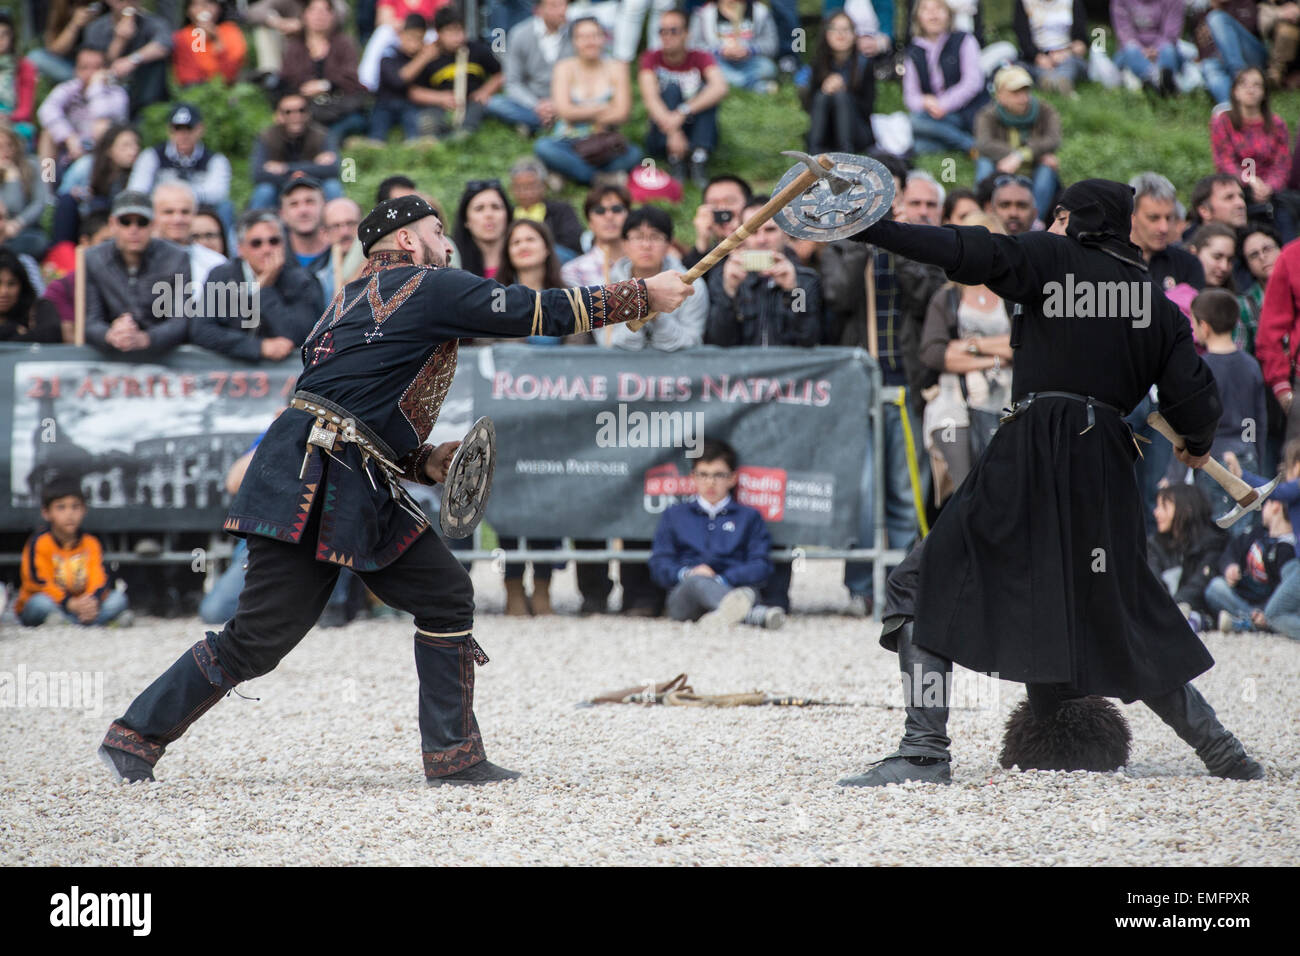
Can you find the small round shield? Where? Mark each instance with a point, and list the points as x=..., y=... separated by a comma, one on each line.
x=469, y=481
x=822, y=215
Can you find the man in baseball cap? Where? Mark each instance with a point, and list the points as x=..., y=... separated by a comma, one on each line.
x=184, y=157
x=1018, y=135
x=124, y=310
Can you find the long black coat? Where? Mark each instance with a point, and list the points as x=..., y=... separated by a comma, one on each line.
x=1036, y=570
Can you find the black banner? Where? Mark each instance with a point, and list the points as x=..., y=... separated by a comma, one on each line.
x=598, y=443
x=593, y=442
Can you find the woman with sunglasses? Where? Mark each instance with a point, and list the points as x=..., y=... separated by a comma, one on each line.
x=592, y=97
x=530, y=260
x=207, y=230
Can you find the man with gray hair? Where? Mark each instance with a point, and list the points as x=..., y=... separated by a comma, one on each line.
x=922, y=199
x=1154, y=198
x=528, y=190
x=261, y=305
x=174, y=206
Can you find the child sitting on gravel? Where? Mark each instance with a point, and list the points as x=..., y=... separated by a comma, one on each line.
x=711, y=553
x=1252, y=569
x=63, y=575
x=1185, y=549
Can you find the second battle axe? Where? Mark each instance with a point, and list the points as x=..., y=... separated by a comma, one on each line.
x=1247, y=498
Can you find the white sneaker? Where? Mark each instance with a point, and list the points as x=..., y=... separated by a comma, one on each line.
x=731, y=609
x=1131, y=81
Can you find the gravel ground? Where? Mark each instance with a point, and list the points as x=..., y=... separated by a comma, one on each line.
x=325, y=770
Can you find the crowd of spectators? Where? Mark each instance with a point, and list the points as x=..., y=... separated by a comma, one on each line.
x=78, y=183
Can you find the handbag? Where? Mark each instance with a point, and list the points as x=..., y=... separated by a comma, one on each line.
x=597, y=149
x=983, y=423
x=328, y=108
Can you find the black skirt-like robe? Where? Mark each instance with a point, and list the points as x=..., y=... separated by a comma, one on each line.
x=1036, y=569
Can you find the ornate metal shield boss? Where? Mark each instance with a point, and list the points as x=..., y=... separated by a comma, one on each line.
x=469, y=481
x=852, y=195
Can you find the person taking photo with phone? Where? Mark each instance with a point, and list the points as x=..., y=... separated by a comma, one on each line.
x=761, y=295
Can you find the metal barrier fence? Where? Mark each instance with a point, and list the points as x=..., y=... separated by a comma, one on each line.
x=218, y=551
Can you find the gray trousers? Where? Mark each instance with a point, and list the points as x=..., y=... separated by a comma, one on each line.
x=695, y=596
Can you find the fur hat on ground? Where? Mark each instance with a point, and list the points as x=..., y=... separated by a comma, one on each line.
x=1086, y=733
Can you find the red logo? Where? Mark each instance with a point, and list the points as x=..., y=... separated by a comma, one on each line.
x=760, y=488
x=763, y=489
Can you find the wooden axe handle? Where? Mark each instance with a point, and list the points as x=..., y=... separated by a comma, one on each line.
x=1241, y=492
x=746, y=229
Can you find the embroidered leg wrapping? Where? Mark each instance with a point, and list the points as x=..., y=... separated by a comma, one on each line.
x=171, y=703
x=449, y=735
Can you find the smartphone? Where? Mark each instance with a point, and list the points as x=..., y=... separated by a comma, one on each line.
x=757, y=260
x=722, y=216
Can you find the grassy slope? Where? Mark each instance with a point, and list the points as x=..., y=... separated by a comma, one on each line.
x=1107, y=133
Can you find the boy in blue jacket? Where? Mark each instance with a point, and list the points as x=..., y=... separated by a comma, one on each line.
x=711, y=553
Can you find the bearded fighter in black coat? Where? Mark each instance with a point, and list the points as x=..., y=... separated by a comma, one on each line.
x=1036, y=569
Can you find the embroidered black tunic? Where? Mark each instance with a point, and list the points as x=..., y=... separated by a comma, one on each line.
x=385, y=350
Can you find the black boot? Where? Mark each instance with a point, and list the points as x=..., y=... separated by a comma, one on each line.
x=164, y=711
x=449, y=736
x=923, y=753
x=1193, y=719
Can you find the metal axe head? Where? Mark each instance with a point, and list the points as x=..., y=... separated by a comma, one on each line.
x=838, y=184
x=1252, y=501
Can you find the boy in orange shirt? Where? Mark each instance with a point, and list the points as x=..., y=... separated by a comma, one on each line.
x=63, y=568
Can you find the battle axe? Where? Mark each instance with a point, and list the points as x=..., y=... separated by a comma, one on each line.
x=1247, y=498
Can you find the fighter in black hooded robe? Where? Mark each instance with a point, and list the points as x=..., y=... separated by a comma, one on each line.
x=1036, y=569
x=324, y=489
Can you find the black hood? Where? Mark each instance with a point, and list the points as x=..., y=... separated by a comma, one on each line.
x=1101, y=216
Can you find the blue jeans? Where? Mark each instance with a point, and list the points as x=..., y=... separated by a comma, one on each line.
x=901, y=522
x=1074, y=69
x=1220, y=596
x=41, y=606
x=1154, y=461
x=1221, y=502
x=1132, y=58
x=219, y=605
x=1238, y=47
x=1045, y=184
x=502, y=15
x=512, y=112
x=388, y=113
x=57, y=68
x=748, y=74
x=1283, y=608
x=930, y=135
x=267, y=195
x=701, y=129
x=558, y=154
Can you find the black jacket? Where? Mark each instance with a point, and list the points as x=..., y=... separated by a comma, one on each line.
x=1199, y=561
x=149, y=295
x=287, y=309
x=761, y=313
